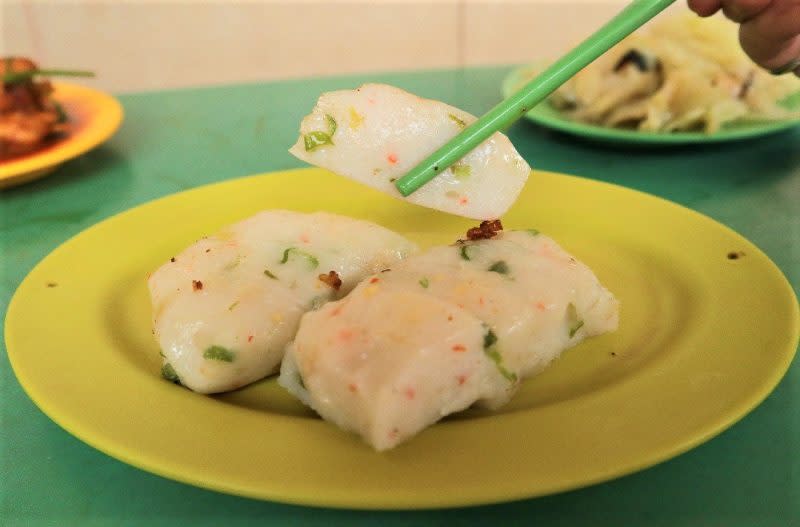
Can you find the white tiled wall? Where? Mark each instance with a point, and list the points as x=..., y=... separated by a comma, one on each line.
x=137, y=45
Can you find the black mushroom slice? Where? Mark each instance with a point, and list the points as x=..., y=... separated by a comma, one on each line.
x=642, y=61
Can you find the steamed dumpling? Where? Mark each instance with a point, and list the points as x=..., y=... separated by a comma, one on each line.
x=377, y=133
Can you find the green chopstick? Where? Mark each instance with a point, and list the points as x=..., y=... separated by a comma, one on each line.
x=504, y=114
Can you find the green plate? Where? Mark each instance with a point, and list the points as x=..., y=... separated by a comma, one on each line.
x=544, y=114
x=703, y=338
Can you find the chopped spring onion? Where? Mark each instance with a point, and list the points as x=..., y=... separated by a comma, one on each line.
x=313, y=140
x=12, y=77
x=62, y=114
x=467, y=252
x=489, y=340
x=461, y=170
x=168, y=372
x=499, y=267
x=310, y=258
x=574, y=322
x=219, y=353
x=331, y=124
x=455, y=119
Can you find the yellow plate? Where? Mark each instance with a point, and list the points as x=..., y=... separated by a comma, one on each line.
x=703, y=339
x=94, y=117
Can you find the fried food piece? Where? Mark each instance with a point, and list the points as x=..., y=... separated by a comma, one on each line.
x=28, y=115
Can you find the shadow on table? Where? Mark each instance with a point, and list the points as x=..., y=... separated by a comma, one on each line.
x=77, y=193
x=37, y=216
x=102, y=161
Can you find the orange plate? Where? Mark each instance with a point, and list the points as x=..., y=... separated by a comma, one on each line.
x=94, y=117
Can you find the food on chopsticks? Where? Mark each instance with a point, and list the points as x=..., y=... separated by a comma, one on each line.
x=225, y=307
x=29, y=116
x=677, y=74
x=443, y=330
x=377, y=133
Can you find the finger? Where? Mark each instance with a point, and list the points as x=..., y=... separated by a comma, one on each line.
x=773, y=38
x=779, y=57
x=743, y=10
x=705, y=7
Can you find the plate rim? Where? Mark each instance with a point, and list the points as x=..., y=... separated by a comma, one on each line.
x=553, y=121
x=102, y=124
x=340, y=501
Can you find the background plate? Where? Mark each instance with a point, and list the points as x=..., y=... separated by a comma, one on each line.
x=547, y=116
x=704, y=337
x=94, y=117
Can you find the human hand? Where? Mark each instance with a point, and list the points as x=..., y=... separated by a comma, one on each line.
x=769, y=30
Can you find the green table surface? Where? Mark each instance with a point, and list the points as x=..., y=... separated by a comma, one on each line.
x=176, y=140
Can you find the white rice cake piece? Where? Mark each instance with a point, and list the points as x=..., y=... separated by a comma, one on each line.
x=386, y=362
x=377, y=133
x=523, y=297
x=225, y=308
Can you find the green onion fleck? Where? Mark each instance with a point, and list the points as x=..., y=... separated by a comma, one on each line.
x=310, y=258
x=489, y=340
x=499, y=267
x=461, y=170
x=268, y=273
x=533, y=232
x=60, y=112
x=331, y=124
x=314, y=140
x=19, y=76
x=455, y=119
x=424, y=283
x=230, y=307
x=572, y=319
x=467, y=252
x=168, y=372
x=495, y=356
x=219, y=353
